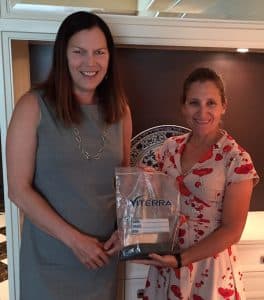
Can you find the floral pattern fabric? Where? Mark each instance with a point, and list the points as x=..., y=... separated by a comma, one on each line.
x=202, y=192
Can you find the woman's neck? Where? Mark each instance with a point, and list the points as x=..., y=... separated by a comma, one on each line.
x=205, y=140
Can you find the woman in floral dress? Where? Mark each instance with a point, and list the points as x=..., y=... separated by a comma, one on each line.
x=215, y=177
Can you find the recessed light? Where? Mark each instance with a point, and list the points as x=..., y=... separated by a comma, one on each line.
x=242, y=50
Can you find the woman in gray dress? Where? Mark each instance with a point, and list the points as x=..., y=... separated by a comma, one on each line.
x=64, y=141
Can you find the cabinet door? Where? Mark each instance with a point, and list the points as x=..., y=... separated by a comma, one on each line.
x=136, y=271
x=134, y=288
x=254, y=285
x=251, y=257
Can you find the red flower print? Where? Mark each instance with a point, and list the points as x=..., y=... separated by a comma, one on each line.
x=147, y=283
x=207, y=155
x=183, y=219
x=244, y=169
x=176, y=291
x=172, y=159
x=200, y=232
x=203, y=221
x=161, y=271
x=196, y=297
x=184, y=190
x=190, y=267
x=181, y=232
x=197, y=184
x=177, y=273
x=227, y=148
x=160, y=165
x=200, y=201
x=181, y=241
x=237, y=296
x=225, y=292
x=218, y=157
x=182, y=187
x=202, y=172
x=198, y=284
x=181, y=149
x=229, y=137
x=179, y=140
x=241, y=148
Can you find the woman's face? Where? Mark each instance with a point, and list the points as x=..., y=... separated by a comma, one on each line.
x=203, y=108
x=88, y=59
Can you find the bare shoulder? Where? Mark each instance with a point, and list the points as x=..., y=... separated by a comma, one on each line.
x=28, y=102
x=27, y=109
x=127, y=119
x=127, y=113
x=127, y=109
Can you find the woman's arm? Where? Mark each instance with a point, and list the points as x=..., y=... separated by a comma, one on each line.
x=21, y=151
x=235, y=209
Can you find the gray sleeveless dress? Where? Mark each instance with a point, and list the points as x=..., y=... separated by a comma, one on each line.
x=82, y=192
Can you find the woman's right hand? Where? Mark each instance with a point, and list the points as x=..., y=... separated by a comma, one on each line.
x=90, y=251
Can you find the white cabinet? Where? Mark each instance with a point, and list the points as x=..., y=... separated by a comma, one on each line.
x=135, y=280
x=254, y=284
x=252, y=262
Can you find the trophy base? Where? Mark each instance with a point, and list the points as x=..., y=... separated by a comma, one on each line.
x=142, y=250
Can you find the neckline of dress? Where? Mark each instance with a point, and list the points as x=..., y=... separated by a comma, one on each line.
x=217, y=143
x=213, y=147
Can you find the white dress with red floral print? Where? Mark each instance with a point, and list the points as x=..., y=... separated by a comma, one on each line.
x=202, y=191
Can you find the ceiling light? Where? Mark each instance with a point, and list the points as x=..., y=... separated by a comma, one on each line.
x=242, y=50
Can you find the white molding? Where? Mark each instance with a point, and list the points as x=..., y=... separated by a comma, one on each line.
x=28, y=26
x=186, y=33
x=3, y=8
x=143, y=31
x=11, y=213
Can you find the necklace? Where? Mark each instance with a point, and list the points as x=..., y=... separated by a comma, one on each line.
x=84, y=152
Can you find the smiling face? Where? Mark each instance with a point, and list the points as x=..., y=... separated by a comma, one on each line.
x=203, y=108
x=88, y=59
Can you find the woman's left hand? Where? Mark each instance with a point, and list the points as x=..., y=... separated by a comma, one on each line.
x=112, y=245
x=158, y=261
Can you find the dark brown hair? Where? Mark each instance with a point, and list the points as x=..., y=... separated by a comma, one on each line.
x=202, y=75
x=58, y=89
